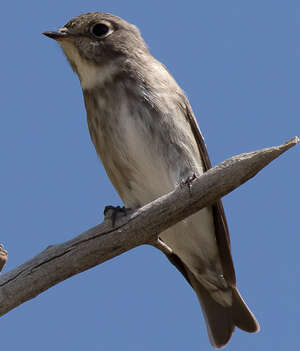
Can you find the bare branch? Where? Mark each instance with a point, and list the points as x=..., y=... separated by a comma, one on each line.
x=143, y=226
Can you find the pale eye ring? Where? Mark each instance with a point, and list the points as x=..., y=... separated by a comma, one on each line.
x=100, y=30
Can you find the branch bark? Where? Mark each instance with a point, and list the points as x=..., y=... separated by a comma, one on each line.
x=102, y=242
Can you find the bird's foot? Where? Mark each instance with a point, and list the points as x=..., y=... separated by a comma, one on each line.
x=188, y=181
x=113, y=211
x=3, y=256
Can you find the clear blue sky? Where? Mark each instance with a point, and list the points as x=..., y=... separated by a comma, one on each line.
x=238, y=62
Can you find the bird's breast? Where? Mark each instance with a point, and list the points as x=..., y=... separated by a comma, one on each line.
x=142, y=150
x=146, y=152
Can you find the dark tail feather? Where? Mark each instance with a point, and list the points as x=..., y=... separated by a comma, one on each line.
x=242, y=316
x=219, y=323
x=220, y=320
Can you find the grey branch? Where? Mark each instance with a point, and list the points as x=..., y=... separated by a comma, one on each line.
x=142, y=226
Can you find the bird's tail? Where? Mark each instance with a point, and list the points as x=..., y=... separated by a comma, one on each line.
x=220, y=320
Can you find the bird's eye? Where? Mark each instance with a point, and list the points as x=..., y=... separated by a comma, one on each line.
x=100, y=30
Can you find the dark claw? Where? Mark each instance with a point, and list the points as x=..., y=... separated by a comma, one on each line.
x=114, y=212
x=188, y=182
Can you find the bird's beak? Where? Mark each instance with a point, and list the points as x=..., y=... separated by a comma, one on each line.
x=61, y=34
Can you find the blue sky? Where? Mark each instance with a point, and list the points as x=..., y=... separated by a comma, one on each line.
x=238, y=62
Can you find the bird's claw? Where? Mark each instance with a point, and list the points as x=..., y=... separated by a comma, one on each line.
x=188, y=181
x=113, y=211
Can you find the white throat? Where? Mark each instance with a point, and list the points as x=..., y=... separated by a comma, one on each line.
x=89, y=74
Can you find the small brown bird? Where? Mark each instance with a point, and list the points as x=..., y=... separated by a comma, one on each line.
x=145, y=133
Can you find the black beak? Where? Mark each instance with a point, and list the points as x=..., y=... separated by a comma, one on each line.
x=57, y=35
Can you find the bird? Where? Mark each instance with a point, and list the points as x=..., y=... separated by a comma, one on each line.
x=146, y=135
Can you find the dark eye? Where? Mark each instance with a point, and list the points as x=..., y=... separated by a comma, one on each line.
x=100, y=30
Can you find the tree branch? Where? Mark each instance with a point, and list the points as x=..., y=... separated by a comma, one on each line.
x=143, y=226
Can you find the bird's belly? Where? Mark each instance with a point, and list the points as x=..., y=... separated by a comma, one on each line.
x=139, y=175
x=194, y=240
x=141, y=172
x=144, y=165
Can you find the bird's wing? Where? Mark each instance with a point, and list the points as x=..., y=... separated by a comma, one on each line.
x=221, y=228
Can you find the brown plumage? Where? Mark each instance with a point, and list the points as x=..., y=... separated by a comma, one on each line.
x=147, y=137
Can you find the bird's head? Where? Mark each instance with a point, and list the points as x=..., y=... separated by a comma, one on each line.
x=97, y=44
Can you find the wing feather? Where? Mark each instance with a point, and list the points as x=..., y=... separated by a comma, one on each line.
x=221, y=227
